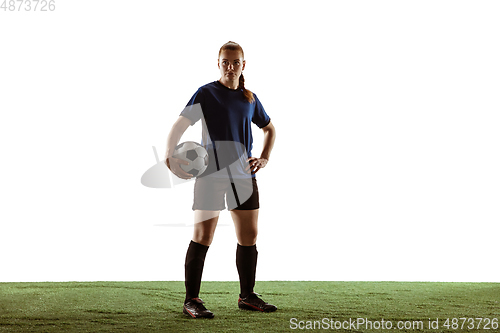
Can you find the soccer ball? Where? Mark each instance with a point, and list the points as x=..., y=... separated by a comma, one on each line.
x=195, y=154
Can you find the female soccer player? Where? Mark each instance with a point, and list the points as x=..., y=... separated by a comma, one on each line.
x=227, y=110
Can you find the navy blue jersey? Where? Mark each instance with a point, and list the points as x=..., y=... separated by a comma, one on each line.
x=226, y=115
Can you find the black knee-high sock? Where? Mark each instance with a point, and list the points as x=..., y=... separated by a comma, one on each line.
x=246, y=263
x=195, y=259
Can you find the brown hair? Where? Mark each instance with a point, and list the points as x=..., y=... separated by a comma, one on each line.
x=236, y=47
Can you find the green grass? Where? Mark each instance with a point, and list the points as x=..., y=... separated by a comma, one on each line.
x=157, y=306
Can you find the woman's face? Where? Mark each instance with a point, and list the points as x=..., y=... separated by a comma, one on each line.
x=231, y=64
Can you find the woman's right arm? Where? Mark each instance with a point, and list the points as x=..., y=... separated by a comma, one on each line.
x=174, y=137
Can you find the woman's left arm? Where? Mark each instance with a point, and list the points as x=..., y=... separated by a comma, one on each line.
x=255, y=164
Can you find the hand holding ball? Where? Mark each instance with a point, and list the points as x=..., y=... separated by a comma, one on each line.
x=189, y=160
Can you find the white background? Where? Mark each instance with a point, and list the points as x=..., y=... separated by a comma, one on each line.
x=385, y=166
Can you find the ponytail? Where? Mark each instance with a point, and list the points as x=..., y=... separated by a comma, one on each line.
x=247, y=93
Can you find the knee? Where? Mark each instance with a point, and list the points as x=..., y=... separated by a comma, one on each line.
x=203, y=237
x=204, y=227
x=248, y=238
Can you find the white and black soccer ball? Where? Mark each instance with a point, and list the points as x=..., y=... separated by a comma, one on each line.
x=195, y=154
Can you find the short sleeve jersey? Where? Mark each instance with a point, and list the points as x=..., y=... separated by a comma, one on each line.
x=227, y=114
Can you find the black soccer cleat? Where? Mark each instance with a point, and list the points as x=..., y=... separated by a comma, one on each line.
x=194, y=308
x=254, y=303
